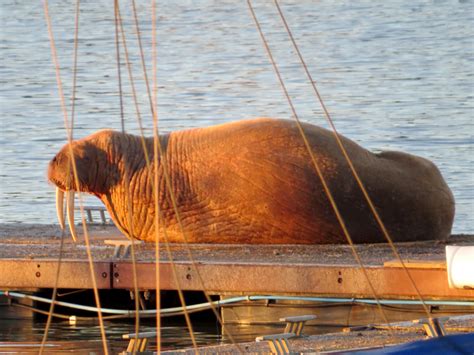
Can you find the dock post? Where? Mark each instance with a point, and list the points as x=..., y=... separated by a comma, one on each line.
x=296, y=324
x=137, y=343
x=89, y=215
x=278, y=342
x=121, y=244
x=434, y=327
x=102, y=216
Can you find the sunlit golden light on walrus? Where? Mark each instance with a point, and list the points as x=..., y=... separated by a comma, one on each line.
x=252, y=181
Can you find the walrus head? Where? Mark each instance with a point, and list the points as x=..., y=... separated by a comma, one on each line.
x=83, y=165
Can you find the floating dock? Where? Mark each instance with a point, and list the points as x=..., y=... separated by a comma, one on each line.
x=32, y=252
x=29, y=260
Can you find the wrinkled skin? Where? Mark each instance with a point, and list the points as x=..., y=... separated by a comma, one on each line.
x=253, y=182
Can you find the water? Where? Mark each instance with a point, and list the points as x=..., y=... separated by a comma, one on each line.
x=19, y=326
x=173, y=335
x=395, y=75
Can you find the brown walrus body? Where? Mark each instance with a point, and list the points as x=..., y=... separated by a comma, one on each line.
x=253, y=182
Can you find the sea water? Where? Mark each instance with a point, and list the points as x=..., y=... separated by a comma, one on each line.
x=394, y=75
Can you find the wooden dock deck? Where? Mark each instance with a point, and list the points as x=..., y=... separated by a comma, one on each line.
x=29, y=259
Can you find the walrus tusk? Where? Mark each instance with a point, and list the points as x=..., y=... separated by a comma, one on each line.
x=70, y=213
x=60, y=207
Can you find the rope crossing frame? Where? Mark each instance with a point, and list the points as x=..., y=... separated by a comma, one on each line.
x=69, y=130
x=314, y=161
x=349, y=161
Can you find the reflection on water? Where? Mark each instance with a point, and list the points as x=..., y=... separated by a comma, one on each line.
x=394, y=74
x=173, y=336
x=244, y=323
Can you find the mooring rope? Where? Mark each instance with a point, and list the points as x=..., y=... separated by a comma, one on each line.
x=349, y=161
x=71, y=128
x=154, y=107
x=247, y=301
x=127, y=179
x=76, y=179
x=50, y=313
x=314, y=160
x=142, y=56
x=119, y=70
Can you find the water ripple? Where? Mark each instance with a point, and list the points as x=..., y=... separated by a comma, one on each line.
x=395, y=75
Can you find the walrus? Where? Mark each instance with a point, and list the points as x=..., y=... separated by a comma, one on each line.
x=252, y=181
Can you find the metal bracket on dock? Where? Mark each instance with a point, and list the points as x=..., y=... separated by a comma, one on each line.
x=121, y=244
x=137, y=343
x=142, y=297
x=296, y=324
x=89, y=209
x=278, y=342
x=434, y=327
x=294, y=328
